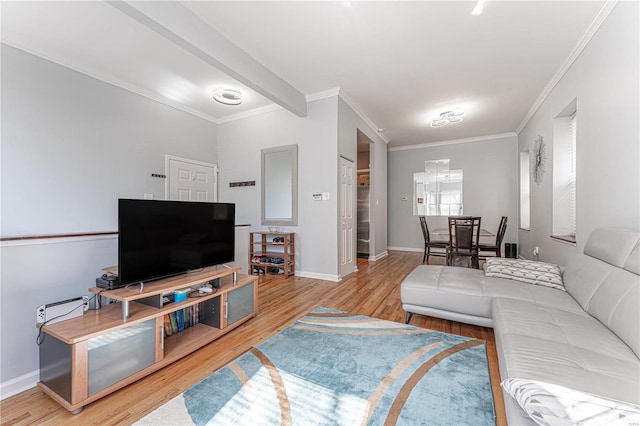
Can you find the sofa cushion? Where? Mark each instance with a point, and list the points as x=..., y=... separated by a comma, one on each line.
x=566, y=348
x=611, y=245
x=616, y=304
x=549, y=404
x=468, y=291
x=633, y=263
x=610, y=294
x=528, y=271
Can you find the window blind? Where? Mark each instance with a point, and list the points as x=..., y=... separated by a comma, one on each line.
x=572, y=175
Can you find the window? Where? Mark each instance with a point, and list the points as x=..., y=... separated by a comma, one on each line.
x=564, y=174
x=437, y=191
x=525, y=210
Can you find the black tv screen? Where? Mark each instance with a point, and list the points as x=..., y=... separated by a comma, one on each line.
x=158, y=239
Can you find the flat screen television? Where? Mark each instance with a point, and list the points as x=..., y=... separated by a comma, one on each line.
x=158, y=239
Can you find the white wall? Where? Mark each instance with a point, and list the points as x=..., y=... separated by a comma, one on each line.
x=71, y=146
x=349, y=122
x=239, y=145
x=605, y=81
x=490, y=188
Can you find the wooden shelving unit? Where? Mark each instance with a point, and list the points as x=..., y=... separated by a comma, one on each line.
x=263, y=249
x=83, y=359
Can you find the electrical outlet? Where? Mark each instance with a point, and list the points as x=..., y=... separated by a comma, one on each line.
x=40, y=314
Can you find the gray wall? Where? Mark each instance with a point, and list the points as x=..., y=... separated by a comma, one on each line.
x=71, y=146
x=605, y=81
x=490, y=188
x=240, y=143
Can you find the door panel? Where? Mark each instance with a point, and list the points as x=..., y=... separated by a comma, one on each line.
x=190, y=180
x=347, y=222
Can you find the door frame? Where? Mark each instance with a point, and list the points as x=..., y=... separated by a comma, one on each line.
x=373, y=200
x=169, y=157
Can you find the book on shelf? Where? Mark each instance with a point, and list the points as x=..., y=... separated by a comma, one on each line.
x=186, y=318
x=174, y=323
x=167, y=325
x=180, y=319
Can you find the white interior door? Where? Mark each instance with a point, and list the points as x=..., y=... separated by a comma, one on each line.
x=191, y=180
x=347, y=220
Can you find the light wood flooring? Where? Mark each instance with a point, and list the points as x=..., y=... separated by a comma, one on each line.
x=374, y=290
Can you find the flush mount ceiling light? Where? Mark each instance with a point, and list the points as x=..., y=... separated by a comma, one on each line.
x=447, y=117
x=228, y=96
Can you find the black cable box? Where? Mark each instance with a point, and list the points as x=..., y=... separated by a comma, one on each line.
x=108, y=282
x=215, y=283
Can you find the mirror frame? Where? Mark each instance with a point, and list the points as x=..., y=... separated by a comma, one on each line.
x=294, y=186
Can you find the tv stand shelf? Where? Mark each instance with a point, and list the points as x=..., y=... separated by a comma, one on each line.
x=134, y=292
x=79, y=358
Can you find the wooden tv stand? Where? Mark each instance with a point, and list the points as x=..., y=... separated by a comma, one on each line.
x=91, y=356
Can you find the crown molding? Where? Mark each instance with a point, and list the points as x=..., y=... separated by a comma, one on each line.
x=250, y=113
x=275, y=107
x=109, y=79
x=105, y=78
x=454, y=141
x=595, y=24
x=329, y=93
x=362, y=115
x=325, y=94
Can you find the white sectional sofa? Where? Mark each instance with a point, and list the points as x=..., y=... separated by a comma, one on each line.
x=586, y=338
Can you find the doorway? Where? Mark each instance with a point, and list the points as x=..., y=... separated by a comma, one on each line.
x=363, y=206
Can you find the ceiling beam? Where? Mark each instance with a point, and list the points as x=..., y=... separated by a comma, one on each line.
x=179, y=25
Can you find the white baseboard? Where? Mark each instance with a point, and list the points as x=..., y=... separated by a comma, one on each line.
x=19, y=384
x=317, y=276
x=419, y=250
x=378, y=256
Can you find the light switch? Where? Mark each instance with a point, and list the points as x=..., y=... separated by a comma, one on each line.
x=325, y=196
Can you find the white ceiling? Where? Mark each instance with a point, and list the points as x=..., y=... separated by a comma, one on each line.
x=399, y=63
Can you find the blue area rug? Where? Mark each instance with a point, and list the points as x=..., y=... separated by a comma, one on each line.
x=334, y=368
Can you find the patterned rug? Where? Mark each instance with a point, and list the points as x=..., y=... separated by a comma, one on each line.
x=334, y=368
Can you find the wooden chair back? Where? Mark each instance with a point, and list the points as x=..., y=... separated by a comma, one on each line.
x=502, y=229
x=425, y=229
x=464, y=237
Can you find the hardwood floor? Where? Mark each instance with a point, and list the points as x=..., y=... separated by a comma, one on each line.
x=374, y=290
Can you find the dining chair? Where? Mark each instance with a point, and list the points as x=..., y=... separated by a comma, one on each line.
x=428, y=244
x=464, y=235
x=497, y=248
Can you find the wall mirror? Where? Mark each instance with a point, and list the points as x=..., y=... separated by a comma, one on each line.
x=280, y=185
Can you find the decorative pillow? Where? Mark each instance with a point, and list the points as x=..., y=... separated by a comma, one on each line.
x=548, y=404
x=528, y=271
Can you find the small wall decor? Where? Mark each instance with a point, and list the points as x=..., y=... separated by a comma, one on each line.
x=245, y=183
x=539, y=159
